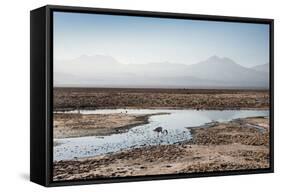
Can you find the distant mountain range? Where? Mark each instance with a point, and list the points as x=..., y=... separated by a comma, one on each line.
x=262, y=68
x=105, y=71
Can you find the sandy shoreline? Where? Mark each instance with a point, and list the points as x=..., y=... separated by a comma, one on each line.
x=68, y=125
x=226, y=146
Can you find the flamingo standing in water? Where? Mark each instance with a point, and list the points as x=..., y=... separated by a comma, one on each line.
x=160, y=130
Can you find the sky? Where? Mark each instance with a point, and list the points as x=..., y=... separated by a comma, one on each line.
x=142, y=40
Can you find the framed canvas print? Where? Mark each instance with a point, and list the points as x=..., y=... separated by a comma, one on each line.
x=122, y=95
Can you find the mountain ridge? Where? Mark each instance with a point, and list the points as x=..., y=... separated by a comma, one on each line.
x=214, y=71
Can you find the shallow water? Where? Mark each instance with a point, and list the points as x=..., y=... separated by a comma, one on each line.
x=175, y=123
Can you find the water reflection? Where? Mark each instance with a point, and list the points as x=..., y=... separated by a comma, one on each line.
x=175, y=122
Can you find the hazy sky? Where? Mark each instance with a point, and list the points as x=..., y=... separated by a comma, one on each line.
x=138, y=40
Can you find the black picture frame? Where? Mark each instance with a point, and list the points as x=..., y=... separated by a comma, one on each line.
x=41, y=91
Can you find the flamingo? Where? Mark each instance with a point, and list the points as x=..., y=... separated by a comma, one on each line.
x=160, y=130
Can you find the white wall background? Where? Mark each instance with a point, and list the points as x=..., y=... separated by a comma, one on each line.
x=14, y=97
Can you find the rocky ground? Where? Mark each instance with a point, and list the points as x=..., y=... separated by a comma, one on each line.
x=97, y=98
x=239, y=144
